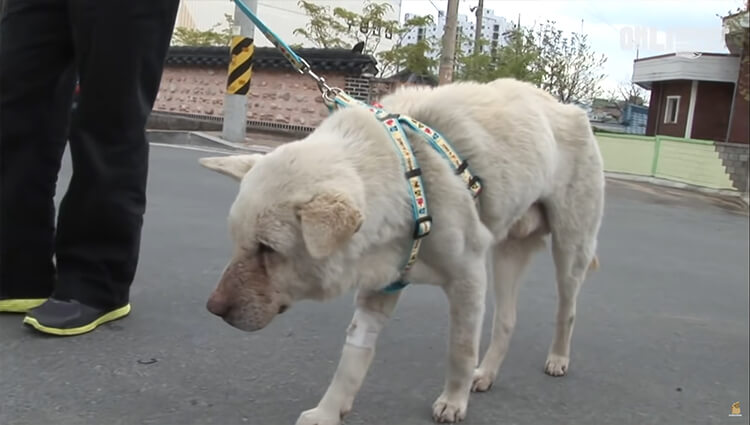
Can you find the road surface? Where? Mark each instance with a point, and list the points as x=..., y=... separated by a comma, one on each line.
x=661, y=335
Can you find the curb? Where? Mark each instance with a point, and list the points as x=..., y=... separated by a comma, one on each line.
x=220, y=141
x=677, y=185
x=201, y=140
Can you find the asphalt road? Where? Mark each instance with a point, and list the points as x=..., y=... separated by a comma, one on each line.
x=661, y=335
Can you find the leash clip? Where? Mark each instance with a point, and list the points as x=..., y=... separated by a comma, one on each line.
x=305, y=68
x=329, y=93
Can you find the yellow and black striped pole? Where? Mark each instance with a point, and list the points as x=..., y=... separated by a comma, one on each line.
x=239, y=72
x=240, y=65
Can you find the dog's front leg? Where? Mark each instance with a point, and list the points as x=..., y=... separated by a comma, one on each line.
x=373, y=309
x=466, y=299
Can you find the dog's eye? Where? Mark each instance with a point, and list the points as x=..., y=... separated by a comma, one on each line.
x=264, y=249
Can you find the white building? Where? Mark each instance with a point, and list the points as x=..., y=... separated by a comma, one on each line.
x=493, y=27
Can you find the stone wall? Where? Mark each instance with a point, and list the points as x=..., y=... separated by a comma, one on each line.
x=735, y=159
x=194, y=85
x=276, y=96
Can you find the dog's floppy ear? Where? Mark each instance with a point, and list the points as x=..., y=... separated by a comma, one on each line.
x=328, y=221
x=235, y=166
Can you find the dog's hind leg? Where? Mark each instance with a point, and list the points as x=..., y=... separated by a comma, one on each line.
x=510, y=259
x=571, y=264
x=575, y=225
x=373, y=310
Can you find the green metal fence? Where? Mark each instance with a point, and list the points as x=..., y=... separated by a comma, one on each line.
x=689, y=161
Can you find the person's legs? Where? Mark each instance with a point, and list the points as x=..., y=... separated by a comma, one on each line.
x=36, y=85
x=120, y=51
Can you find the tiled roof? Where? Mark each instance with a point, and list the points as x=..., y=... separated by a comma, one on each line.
x=406, y=76
x=341, y=60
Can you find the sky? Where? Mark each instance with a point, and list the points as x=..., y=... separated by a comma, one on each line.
x=619, y=29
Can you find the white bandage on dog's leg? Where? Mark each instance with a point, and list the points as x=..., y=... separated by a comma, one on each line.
x=364, y=328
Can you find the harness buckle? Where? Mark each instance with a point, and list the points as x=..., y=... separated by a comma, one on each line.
x=418, y=234
x=461, y=168
x=476, y=181
x=388, y=116
x=395, y=286
x=413, y=173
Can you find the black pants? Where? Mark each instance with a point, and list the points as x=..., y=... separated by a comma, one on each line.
x=117, y=49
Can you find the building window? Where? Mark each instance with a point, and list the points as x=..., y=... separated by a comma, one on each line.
x=672, y=110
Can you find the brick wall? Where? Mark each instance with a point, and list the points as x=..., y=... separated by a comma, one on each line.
x=735, y=159
x=358, y=88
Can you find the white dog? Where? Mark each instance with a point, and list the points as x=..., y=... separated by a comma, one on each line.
x=331, y=213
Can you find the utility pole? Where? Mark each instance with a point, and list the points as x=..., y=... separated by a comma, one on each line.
x=478, y=33
x=448, y=56
x=238, y=79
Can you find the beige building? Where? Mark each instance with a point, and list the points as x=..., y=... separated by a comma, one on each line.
x=184, y=16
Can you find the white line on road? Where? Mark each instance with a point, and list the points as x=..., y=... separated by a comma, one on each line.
x=193, y=148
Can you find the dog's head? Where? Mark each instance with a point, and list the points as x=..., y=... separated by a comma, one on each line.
x=289, y=224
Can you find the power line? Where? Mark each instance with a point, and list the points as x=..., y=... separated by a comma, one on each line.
x=264, y=4
x=435, y=6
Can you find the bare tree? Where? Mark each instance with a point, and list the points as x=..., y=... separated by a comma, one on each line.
x=629, y=92
x=569, y=68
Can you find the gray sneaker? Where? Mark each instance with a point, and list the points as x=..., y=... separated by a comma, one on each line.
x=68, y=318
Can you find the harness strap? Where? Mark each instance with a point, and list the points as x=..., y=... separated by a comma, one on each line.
x=432, y=137
x=393, y=123
x=440, y=144
x=335, y=98
x=412, y=172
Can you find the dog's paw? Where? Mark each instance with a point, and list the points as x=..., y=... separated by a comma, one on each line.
x=556, y=365
x=319, y=416
x=482, y=381
x=449, y=411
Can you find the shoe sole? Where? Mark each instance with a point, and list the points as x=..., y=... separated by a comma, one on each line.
x=112, y=315
x=20, y=305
